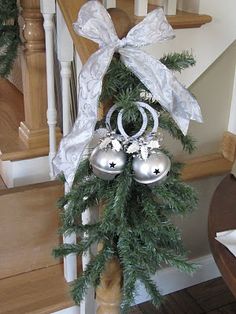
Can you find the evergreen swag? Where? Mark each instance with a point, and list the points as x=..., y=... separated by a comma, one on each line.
x=9, y=35
x=135, y=227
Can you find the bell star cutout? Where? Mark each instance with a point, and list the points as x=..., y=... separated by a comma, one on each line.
x=95, y=23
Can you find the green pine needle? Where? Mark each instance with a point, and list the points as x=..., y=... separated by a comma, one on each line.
x=9, y=35
x=178, y=61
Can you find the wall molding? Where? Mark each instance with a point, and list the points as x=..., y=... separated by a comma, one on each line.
x=170, y=279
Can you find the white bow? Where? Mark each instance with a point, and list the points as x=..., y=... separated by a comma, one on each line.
x=95, y=23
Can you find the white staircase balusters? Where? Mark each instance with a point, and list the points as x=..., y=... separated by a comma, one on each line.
x=169, y=6
x=88, y=305
x=140, y=7
x=109, y=4
x=48, y=11
x=66, y=97
x=65, y=52
x=65, y=57
x=70, y=261
x=159, y=3
x=189, y=5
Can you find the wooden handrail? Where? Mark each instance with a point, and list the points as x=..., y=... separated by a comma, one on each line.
x=206, y=166
x=212, y=164
x=180, y=20
x=83, y=46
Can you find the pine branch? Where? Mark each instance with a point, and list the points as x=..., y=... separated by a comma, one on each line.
x=128, y=289
x=178, y=61
x=83, y=246
x=175, y=197
x=9, y=35
x=135, y=226
x=167, y=123
x=150, y=286
x=8, y=9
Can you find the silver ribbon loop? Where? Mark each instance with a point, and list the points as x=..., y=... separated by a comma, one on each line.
x=95, y=23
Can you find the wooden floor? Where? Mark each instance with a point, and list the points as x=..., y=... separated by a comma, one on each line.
x=212, y=297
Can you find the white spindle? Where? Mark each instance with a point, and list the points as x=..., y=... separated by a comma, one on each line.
x=70, y=261
x=65, y=56
x=109, y=4
x=140, y=7
x=88, y=305
x=66, y=103
x=159, y=3
x=48, y=11
x=171, y=7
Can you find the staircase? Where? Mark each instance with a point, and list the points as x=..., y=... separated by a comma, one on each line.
x=31, y=280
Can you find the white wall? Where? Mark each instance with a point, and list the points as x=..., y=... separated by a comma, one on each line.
x=214, y=91
x=194, y=225
x=207, y=42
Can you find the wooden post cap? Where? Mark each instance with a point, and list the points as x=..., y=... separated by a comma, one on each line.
x=121, y=21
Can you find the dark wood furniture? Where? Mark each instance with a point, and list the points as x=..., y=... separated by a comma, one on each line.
x=222, y=216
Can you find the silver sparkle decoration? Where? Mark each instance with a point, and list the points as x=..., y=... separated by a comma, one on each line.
x=107, y=164
x=152, y=171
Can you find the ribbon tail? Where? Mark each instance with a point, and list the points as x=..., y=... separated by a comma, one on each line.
x=163, y=85
x=73, y=145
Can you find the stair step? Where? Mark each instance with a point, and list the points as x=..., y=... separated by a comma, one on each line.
x=182, y=19
x=42, y=291
x=12, y=113
x=28, y=227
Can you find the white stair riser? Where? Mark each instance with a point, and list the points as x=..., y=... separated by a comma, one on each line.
x=24, y=172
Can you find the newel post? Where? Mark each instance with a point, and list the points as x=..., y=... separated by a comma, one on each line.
x=108, y=294
x=34, y=130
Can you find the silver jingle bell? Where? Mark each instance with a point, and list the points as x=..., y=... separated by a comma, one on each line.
x=152, y=171
x=107, y=164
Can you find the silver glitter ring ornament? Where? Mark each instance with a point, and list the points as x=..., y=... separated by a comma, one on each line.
x=141, y=106
x=119, y=121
